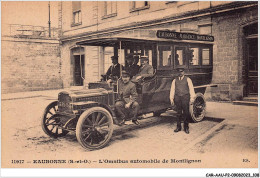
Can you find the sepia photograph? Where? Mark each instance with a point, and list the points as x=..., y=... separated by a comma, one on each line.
x=130, y=84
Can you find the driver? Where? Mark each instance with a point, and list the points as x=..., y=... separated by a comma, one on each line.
x=113, y=71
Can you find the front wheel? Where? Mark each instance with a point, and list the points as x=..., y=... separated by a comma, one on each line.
x=51, y=121
x=94, y=128
x=198, y=108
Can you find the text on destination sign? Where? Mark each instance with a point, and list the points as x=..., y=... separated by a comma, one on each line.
x=183, y=36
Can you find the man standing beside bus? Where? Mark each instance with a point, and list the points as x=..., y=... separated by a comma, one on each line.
x=181, y=94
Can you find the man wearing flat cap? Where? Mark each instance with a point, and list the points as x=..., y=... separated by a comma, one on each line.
x=130, y=67
x=146, y=70
x=181, y=94
x=127, y=100
x=114, y=70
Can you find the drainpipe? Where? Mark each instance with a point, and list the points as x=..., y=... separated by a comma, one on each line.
x=49, y=20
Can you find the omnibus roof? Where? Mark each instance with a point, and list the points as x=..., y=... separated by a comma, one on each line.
x=115, y=41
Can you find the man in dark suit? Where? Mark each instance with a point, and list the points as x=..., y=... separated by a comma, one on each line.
x=146, y=70
x=127, y=100
x=181, y=94
x=130, y=67
x=113, y=71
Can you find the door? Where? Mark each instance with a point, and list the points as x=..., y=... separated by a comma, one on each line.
x=79, y=72
x=252, y=66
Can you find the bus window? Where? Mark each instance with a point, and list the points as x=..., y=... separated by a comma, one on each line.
x=107, y=57
x=165, y=59
x=121, y=59
x=194, y=56
x=179, y=58
x=148, y=52
x=139, y=51
x=205, y=56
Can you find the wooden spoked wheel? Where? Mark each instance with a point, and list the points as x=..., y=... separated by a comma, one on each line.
x=94, y=128
x=51, y=121
x=198, y=108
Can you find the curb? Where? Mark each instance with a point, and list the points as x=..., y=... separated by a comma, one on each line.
x=26, y=95
x=17, y=98
x=246, y=103
x=204, y=136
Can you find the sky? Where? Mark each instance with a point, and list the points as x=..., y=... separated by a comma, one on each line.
x=29, y=13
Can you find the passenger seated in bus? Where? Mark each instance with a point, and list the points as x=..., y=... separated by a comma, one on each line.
x=130, y=67
x=113, y=72
x=146, y=70
x=127, y=100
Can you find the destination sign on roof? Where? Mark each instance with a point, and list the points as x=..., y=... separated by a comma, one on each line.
x=183, y=36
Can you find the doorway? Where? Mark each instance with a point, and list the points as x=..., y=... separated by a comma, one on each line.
x=251, y=33
x=79, y=70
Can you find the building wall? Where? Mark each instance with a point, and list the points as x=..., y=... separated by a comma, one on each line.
x=30, y=64
x=228, y=60
x=93, y=14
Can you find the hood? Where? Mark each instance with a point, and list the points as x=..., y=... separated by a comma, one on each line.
x=85, y=92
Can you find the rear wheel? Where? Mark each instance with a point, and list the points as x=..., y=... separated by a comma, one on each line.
x=198, y=108
x=94, y=128
x=51, y=122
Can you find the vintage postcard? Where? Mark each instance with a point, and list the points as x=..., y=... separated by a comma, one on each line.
x=129, y=84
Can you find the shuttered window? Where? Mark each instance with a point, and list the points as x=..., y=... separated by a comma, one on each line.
x=110, y=7
x=139, y=5
x=76, y=11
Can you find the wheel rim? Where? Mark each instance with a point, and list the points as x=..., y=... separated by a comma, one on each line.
x=52, y=124
x=198, y=108
x=96, y=129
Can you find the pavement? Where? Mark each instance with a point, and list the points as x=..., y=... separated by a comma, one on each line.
x=235, y=136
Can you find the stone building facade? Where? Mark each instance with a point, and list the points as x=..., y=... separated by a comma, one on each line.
x=233, y=25
x=29, y=61
x=231, y=56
